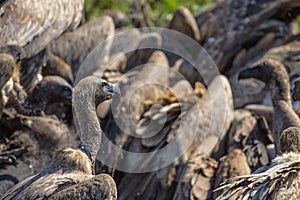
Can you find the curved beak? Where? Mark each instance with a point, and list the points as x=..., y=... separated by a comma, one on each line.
x=245, y=73
x=115, y=89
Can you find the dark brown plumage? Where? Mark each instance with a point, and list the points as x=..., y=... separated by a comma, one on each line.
x=51, y=89
x=74, y=47
x=275, y=76
x=69, y=175
x=285, y=50
x=30, y=140
x=149, y=41
x=279, y=180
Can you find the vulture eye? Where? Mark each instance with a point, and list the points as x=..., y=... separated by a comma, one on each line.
x=104, y=84
x=65, y=89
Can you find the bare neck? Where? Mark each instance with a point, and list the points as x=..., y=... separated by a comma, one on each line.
x=85, y=117
x=280, y=90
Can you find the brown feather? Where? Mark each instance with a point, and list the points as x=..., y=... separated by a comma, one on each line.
x=33, y=24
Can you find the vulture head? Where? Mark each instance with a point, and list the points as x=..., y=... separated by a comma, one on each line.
x=105, y=91
x=266, y=71
x=53, y=89
x=274, y=75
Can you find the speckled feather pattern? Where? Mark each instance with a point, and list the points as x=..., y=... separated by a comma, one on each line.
x=69, y=176
x=279, y=180
x=68, y=168
x=33, y=24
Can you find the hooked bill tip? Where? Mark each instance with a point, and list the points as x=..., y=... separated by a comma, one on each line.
x=116, y=90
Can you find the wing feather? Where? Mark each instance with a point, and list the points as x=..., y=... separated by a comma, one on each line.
x=33, y=24
x=44, y=185
x=279, y=181
x=99, y=187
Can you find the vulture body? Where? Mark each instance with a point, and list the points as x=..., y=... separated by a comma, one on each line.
x=70, y=175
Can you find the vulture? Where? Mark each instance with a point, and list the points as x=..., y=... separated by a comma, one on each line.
x=70, y=174
x=280, y=179
x=275, y=76
x=178, y=102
